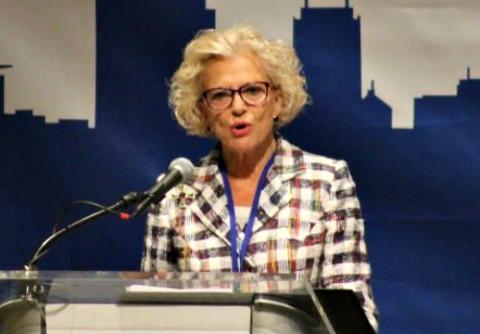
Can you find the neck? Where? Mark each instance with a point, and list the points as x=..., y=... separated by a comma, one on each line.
x=244, y=165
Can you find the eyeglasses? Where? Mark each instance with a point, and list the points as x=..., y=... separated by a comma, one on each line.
x=253, y=94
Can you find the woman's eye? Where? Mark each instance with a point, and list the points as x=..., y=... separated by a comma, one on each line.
x=254, y=90
x=220, y=94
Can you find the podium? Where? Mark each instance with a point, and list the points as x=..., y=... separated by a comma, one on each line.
x=60, y=302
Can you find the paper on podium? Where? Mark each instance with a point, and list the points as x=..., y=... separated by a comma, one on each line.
x=139, y=288
x=139, y=293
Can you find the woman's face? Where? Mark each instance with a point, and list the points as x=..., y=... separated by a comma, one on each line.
x=241, y=128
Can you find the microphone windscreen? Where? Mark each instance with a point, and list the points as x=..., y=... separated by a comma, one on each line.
x=184, y=166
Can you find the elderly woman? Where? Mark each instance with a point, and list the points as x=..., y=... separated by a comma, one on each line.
x=256, y=202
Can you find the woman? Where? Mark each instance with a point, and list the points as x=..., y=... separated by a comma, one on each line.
x=284, y=209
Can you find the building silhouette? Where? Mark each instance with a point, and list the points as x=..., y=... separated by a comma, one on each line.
x=136, y=136
x=331, y=35
x=52, y=164
x=374, y=111
x=460, y=110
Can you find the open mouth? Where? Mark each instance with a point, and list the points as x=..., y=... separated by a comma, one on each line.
x=240, y=126
x=240, y=129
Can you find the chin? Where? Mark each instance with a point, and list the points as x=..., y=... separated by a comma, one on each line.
x=243, y=145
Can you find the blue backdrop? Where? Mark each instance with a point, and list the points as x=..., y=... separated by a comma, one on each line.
x=418, y=187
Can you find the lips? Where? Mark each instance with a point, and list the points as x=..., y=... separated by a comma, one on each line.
x=241, y=129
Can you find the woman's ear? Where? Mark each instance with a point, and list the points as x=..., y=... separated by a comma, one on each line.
x=278, y=103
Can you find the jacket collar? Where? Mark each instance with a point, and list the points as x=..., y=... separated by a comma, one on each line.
x=211, y=202
x=288, y=163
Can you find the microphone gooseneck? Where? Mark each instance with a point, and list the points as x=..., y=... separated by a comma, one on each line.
x=180, y=170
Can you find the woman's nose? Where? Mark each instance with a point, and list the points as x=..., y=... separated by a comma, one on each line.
x=238, y=106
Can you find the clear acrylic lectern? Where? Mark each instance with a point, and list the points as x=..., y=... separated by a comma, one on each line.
x=174, y=303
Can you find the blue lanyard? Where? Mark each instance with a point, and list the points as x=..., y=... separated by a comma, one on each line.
x=237, y=263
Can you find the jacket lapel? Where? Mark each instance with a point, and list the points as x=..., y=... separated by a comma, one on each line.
x=276, y=193
x=211, y=204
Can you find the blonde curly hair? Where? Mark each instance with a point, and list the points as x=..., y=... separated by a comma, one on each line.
x=282, y=66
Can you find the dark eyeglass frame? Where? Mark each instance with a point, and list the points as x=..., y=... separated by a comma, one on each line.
x=239, y=91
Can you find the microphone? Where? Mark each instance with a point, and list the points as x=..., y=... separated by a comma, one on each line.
x=179, y=171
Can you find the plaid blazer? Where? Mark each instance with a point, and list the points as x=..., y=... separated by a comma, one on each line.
x=308, y=220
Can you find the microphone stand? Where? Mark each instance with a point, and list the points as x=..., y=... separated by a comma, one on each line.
x=29, y=309
x=27, y=312
x=126, y=201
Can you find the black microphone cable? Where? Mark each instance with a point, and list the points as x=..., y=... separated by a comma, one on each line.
x=70, y=206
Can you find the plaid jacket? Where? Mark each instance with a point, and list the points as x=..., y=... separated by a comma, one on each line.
x=308, y=220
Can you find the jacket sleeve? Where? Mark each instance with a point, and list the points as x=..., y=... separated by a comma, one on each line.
x=158, y=247
x=345, y=264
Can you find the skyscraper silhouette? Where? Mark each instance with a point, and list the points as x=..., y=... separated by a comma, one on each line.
x=459, y=110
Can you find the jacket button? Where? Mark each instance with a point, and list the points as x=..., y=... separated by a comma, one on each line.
x=261, y=214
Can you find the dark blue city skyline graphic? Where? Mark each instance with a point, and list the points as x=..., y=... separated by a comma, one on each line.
x=418, y=187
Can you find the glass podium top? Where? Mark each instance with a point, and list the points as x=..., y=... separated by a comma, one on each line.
x=286, y=297
x=125, y=287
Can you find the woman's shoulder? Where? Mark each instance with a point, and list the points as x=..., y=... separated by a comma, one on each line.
x=309, y=160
